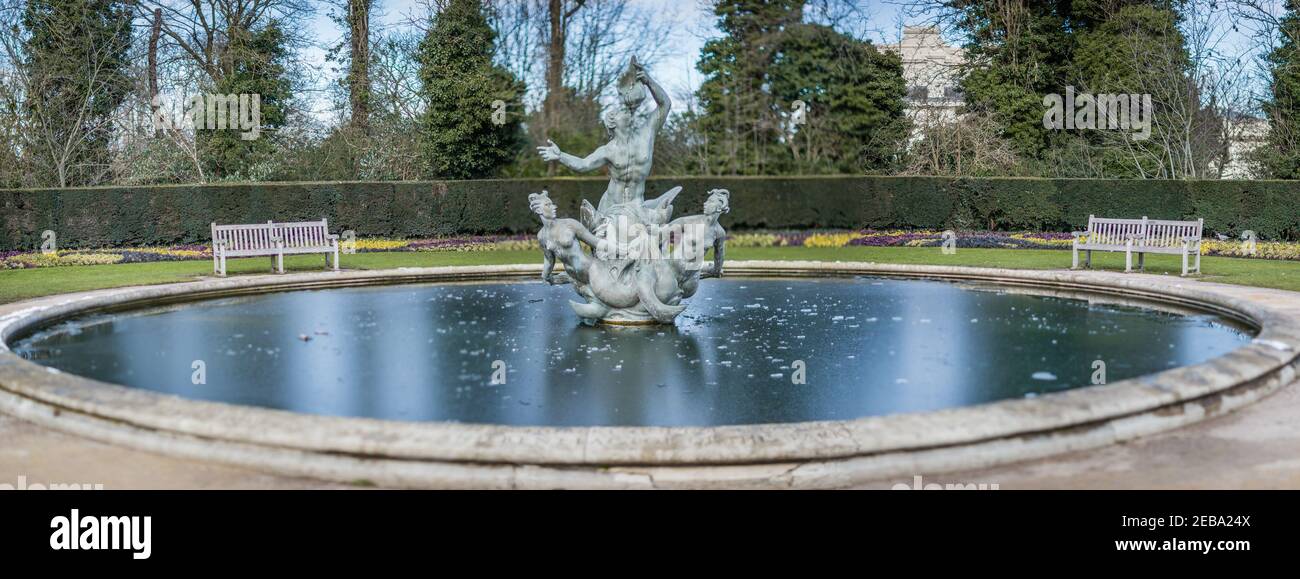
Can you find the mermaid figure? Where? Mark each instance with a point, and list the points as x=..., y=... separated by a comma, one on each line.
x=559, y=240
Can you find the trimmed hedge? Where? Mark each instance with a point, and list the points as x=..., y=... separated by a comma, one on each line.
x=162, y=215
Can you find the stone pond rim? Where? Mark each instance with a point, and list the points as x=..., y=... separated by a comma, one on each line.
x=490, y=352
x=794, y=455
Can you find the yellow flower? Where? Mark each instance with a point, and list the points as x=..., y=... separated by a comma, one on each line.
x=830, y=239
x=380, y=244
x=63, y=258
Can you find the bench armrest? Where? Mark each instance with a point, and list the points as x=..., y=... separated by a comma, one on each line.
x=333, y=236
x=219, y=243
x=1078, y=234
x=1137, y=236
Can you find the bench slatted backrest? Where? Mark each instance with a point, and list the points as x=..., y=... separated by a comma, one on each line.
x=248, y=237
x=1151, y=232
x=262, y=236
x=1113, y=231
x=304, y=234
x=1164, y=233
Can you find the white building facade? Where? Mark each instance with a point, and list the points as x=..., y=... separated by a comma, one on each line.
x=932, y=70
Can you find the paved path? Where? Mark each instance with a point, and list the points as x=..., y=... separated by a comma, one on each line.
x=1257, y=447
x=46, y=456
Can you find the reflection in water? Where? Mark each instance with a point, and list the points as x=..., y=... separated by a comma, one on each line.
x=425, y=352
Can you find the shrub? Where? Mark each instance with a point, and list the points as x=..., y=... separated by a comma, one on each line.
x=165, y=215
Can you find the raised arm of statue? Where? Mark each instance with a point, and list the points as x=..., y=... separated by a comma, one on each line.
x=552, y=152
x=665, y=104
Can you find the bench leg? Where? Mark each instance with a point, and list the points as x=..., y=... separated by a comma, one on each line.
x=1074, y=262
x=223, y=265
x=336, y=257
x=1087, y=259
x=279, y=262
x=1184, y=262
x=1198, y=261
x=1142, y=262
x=1128, y=259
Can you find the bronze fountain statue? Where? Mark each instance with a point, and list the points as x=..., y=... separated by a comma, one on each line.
x=638, y=265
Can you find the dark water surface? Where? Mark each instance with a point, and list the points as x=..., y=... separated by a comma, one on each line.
x=426, y=352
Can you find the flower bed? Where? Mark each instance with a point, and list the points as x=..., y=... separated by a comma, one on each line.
x=869, y=238
x=32, y=259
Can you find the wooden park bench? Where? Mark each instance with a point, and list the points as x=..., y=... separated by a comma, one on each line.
x=272, y=239
x=1140, y=236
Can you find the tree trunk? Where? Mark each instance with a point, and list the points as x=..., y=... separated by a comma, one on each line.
x=359, y=71
x=554, y=62
x=153, y=67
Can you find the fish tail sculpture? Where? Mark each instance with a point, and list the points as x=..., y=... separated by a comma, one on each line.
x=645, y=291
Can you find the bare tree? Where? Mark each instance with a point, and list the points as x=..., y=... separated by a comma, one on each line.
x=966, y=146
x=582, y=46
x=395, y=86
x=203, y=29
x=359, y=61
x=155, y=31
x=1261, y=22
x=520, y=31
x=1192, y=85
x=558, y=14
x=62, y=138
x=605, y=36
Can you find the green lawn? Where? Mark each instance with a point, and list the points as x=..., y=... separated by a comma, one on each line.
x=27, y=283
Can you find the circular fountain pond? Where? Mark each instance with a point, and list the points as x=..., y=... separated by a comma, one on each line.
x=747, y=351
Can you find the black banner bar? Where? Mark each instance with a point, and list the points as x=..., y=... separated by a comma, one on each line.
x=1116, y=527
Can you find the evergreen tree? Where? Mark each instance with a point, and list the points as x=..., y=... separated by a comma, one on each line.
x=1020, y=51
x=1280, y=157
x=255, y=63
x=853, y=95
x=1138, y=48
x=852, y=120
x=463, y=133
x=740, y=120
x=76, y=63
x=1017, y=52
